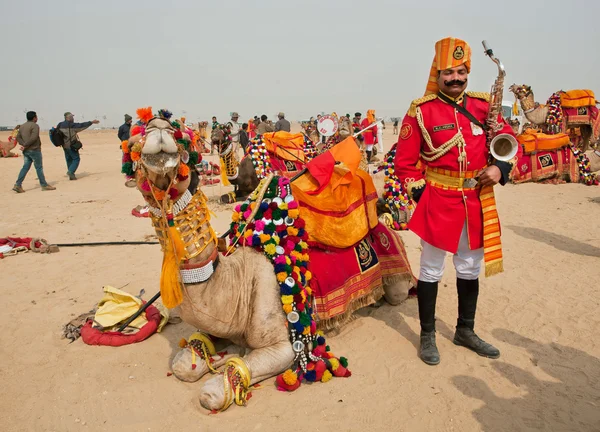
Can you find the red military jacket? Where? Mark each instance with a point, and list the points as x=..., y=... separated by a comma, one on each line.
x=370, y=135
x=441, y=214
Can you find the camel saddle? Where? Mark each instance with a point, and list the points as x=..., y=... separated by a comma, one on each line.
x=285, y=146
x=336, y=199
x=534, y=142
x=577, y=99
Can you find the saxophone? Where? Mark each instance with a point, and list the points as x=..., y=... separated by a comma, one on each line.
x=502, y=147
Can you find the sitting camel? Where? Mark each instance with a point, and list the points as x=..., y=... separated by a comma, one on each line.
x=6, y=147
x=552, y=118
x=235, y=296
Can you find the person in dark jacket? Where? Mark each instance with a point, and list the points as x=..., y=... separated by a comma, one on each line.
x=124, y=129
x=282, y=124
x=72, y=145
x=31, y=145
x=244, y=136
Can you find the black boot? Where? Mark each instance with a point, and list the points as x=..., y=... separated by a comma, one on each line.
x=468, y=291
x=369, y=154
x=426, y=296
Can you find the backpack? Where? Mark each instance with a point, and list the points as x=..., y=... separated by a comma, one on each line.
x=57, y=137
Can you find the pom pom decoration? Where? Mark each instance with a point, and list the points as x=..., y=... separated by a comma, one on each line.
x=554, y=118
x=394, y=194
x=586, y=176
x=278, y=233
x=145, y=114
x=164, y=113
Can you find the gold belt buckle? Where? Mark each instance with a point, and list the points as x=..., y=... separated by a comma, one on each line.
x=469, y=183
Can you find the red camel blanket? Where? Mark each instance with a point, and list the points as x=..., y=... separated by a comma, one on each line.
x=345, y=280
x=552, y=166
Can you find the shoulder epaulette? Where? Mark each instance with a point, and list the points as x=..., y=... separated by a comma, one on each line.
x=412, y=111
x=479, y=95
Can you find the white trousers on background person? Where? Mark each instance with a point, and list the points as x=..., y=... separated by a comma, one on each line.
x=467, y=262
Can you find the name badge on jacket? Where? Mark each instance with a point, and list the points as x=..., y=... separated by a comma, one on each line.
x=444, y=127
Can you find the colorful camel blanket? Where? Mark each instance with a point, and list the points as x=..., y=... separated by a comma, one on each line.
x=285, y=146
x=337, y=216
x=345, y=280
x=577, y=98
x=534, y=142
x=554, y=166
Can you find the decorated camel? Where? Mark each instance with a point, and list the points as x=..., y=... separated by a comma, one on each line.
x=6, y=147
x=281, y=152
x=552, y=158
x=284, y=258
x=573, y=112
x=240, y=174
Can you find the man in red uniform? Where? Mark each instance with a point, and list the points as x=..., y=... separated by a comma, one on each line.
x=456, y=210
x=370, y=135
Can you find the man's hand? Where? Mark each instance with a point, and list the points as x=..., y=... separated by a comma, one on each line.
x=490, y=176
x=21, y=148
x=95, y=121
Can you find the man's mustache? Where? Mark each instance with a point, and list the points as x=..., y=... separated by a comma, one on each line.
x=455, y=82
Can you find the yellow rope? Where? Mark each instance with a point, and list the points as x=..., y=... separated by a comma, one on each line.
x=436, y=153
x=235, y=367
x=207, y=347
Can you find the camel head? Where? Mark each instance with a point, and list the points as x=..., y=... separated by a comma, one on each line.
x=221, y=137
x=525, y=96
x=345, y=129
x=161, y=147
x=160, y=153
x=514, y=124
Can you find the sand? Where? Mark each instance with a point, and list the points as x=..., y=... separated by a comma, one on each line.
x=542, y=313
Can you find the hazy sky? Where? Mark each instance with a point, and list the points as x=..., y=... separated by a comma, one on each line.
x=108, y=57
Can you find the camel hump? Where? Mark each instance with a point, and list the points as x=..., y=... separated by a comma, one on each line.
x=412, y=111
x=479, y=95
x=577, y=98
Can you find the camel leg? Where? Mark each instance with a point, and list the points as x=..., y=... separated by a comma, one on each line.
x=396, y=289
x=263, y=363
x=182, y=363
x=266, y=334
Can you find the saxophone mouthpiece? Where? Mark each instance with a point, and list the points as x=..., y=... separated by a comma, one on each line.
x=487, y=48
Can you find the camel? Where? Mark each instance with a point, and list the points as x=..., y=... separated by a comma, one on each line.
x=591, y=156
x=234, y=296
x=538, y=115
x=240, y=174
x=6, y=147
x=594, y=157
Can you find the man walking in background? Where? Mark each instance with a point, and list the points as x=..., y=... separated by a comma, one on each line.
x=72, y=145
x=282, y=124
x=29, y=139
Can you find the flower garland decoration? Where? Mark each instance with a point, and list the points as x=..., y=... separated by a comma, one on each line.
x=274, y=226
x=554, y=119
x=257, y=150
x=394, y=194
x=586, y=176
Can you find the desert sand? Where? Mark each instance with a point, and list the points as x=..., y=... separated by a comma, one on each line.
x=542, y=313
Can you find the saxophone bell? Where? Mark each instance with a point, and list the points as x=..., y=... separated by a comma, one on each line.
x=504, y=147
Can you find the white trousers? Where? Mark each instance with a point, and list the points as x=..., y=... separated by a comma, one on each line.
x=467, y=262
